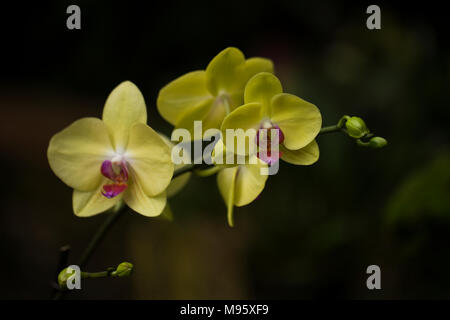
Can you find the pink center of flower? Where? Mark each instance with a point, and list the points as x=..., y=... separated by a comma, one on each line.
x=269, y=135
x=117, y=172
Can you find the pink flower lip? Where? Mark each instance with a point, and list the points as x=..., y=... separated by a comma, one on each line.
x=112, y=190
x=114, y=172
x=264, y=142
x=269, y=157
x=264, y=137
x=118, y=173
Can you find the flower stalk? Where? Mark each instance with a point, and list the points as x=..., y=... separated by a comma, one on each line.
x=355, y=128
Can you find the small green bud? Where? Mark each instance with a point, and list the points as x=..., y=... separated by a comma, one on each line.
x=64, y=276
x=377, y=142
x=356, y=127
x=123, y=270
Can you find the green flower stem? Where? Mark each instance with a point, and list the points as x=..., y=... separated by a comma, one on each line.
x=63, y=260
x=104, y=228
x=184, y=169
x=101, y=274
x=355, y=128
x=207, y=172
x=330, y=129
x=336, y=128
x=95, y=241
x=122, y=270
x=196, y=169
x=100, y=234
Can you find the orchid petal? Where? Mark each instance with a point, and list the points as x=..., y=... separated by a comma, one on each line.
x=261, y=88
x=150, y=158
x=76, y=153
x=304, y=156
x=245, y=117
x=89, y=203
x=136, y=198
x=226, y=180
x=299, y=120
x=210, y=113
x=249, y=182
x=256, y=65
x=124, y=107
x=226, y=72
x=182, y=95
x=246, y=181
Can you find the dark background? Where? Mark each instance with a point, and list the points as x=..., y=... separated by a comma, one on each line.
x=314, y=230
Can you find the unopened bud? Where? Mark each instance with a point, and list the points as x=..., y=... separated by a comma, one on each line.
x=356, y=127
x=64, y=275
x=123, y=270
x=377, y=142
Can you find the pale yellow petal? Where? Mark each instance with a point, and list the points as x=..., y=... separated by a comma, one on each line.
x=242, y=124
x=226, y=180
x=304, y=156
x=182, y=95
x=299, y=120
x=226, y=72
x=124, y=107
x=211, y=114
x=150, y=158
x=76, y=153
x=245, y=117
x=137, y=200
x=249, y=183
x=262, y=88
x=256, y=65
x=89, y=203
x=240, y=185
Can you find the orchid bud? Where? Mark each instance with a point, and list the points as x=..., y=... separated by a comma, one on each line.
x=356, y=127
x=123, y=270
x=64, y=275
x=377, y=142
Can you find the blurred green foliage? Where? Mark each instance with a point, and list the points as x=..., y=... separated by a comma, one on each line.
x=423, y=194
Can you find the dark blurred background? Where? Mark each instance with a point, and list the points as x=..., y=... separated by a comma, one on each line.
x=314, y=230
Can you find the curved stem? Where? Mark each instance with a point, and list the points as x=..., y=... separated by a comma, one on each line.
x=95, y=241
x=207, y=172
x=195, y=168
x=335, y=128
x=184, y=169
x=330, y=129
x=101, y=274
x=113, y=216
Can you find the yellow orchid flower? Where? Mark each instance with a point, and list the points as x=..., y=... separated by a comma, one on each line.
x=240, y=184
x=117, y=158
x=296, y=121
x=209, y=95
